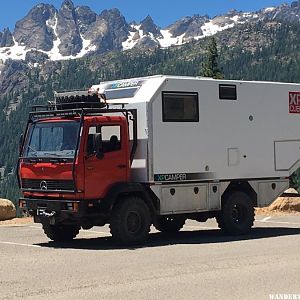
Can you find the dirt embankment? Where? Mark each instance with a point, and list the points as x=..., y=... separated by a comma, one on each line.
x=282, y=205
x=17, y=221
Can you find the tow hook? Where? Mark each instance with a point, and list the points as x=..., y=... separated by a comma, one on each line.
x=42, y=213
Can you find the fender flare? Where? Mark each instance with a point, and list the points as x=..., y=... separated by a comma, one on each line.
x=119, y=189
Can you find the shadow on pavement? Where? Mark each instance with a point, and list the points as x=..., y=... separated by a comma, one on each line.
x=183, y=237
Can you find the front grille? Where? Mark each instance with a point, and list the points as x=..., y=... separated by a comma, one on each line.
x=45, y=184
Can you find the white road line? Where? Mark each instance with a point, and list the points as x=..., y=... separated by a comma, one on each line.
x=94, y=231
x=199, y=227
x=280, y=222
x=19, y=244
x=35, y=227
x=265, y=219
x=86, y=236
x=14, y=225
x=81, y=231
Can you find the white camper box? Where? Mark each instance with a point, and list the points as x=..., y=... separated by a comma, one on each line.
x=196, y=136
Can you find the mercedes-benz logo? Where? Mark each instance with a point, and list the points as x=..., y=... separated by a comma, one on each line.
x=43, y=185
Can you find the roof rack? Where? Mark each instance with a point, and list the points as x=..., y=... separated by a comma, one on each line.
x=51, y=111
x=67, y=106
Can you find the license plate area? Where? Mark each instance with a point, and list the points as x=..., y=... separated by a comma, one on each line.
x=41, y=211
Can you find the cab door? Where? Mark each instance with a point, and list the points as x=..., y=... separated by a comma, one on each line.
x=112, y=166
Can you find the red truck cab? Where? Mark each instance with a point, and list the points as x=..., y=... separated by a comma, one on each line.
x=49, y=153
x=73, y=165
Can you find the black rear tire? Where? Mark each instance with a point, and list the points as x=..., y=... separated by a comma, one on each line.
x=237, y=215
x=61, y=233
x=169, y=224
x=130, y=221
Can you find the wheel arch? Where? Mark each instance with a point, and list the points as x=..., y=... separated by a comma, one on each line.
x=119, y=190
x=240, y=186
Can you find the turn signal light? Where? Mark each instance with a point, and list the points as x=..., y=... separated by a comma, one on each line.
x=22, y=204
x=75, y=207
x=72, y=206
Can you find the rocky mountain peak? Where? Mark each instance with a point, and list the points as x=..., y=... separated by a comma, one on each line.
x=282, y=13
x=33, y=31
x=85, y=17
x=109, y=14
x=67, y=30
x=67, y=5
x=118, y=28
x=67, y=10
x=6, y=39
x=295, y=4
x=148, y=26
x=115, y=19
x=232, y=13
x=72, y=32
x=189, y=26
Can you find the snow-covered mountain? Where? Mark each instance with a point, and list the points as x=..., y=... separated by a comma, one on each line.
x=73, y=32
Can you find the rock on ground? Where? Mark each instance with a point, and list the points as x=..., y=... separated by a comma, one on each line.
x=7, y=210
x=291, y=190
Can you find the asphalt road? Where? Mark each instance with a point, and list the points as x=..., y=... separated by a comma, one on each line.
x=196, y=263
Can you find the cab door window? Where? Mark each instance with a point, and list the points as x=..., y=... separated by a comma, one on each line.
x=111, y=138
x=106, y=137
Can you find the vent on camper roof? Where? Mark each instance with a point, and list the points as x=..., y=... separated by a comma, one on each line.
x=227, y=92
x=112, y=94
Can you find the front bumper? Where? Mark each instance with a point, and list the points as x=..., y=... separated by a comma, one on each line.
x=64, y=211
x=31, y=204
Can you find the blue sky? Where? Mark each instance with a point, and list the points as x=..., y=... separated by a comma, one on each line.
x=163, y=12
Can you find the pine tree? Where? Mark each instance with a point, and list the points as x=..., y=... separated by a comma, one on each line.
x=210, y=67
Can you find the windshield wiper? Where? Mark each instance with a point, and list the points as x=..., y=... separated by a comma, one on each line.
x=50, y=154
x=70, y=152
x=49, y=159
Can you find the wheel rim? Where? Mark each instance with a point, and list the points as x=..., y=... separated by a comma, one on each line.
x=134, y=222
x=238, y=213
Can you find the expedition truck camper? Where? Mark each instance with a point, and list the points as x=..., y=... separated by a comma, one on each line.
x=159, y=150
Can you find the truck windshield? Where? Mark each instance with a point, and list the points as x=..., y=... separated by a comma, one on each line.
x=52, y=139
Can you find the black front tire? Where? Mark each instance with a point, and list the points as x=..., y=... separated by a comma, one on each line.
x=61, y=233
x=237, y=215
x=169, y=224
x=130, y=221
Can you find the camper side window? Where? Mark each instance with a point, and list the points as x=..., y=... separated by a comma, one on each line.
x=180, y=107
x=227, y=92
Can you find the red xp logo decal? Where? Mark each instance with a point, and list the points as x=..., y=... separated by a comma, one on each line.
x=294, y=102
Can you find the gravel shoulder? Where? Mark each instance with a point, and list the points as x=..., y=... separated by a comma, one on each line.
x=17, y=221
